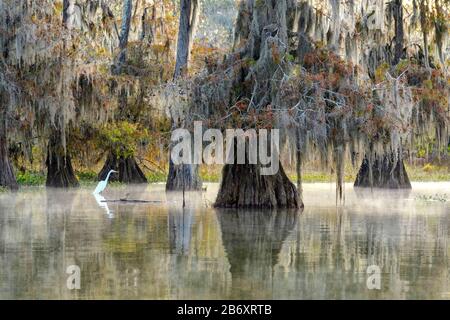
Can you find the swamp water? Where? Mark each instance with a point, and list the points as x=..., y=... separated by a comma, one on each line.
x=160, y=251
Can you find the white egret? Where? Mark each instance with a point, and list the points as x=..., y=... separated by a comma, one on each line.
x=102, y=184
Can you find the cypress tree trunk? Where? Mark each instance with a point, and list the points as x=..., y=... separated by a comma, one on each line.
x=423, y=24
x=7, y=177
x=60, y=172
x=128, y=168
x=183, y=177
x=186, y=176
x=243, y=186
x=129, y=171
x=125, y=32
x=399, y=33
x=387, y=173
x=267, y=32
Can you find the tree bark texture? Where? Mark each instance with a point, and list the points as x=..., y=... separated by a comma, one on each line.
x=243, y=186
x=264, y=37
x=129, y=171
x=60, y=173
x=186, y=176
x=387, y=173
x=7, y=177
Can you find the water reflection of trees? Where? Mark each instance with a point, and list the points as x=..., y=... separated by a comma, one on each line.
x=253, y=241
x=161, y=251
x=197, y=264
x=328, y=255
x=132, y=255
x=32, y=242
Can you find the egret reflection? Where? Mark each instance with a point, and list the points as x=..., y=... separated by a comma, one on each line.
x=102, y=203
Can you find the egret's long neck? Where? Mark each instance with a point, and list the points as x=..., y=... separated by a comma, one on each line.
x=107, y=177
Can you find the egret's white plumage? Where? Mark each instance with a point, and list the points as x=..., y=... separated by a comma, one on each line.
x=102, y=184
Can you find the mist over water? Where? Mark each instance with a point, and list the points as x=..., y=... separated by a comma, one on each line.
x=160, y=251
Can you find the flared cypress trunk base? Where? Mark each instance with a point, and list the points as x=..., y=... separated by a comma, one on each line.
x=387, y=172
x=129, y=171
x=244, y=187
x=60, y=173
x=183, y=177
x=7, y=177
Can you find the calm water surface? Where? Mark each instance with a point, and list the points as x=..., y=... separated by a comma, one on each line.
x=159, y=251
